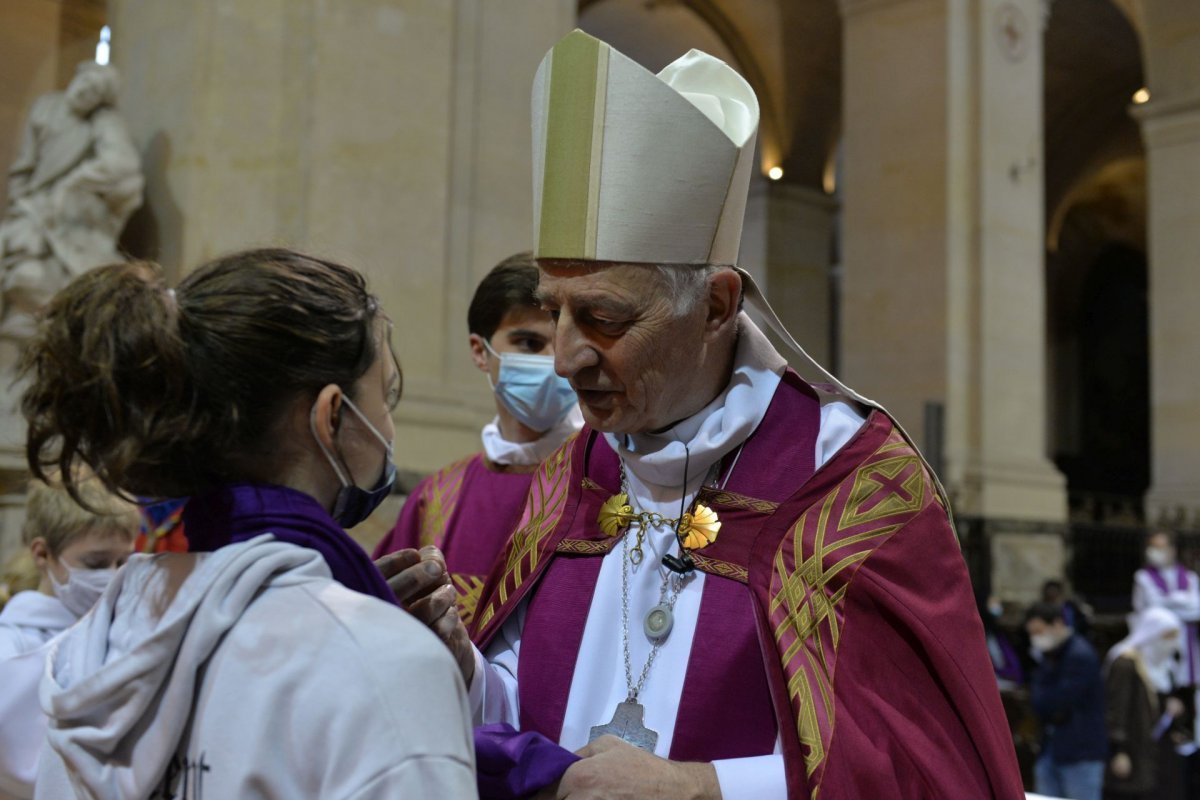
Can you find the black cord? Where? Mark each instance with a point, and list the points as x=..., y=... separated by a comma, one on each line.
x=683, y=563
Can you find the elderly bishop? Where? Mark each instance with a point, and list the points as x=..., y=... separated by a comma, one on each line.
x=731, y=583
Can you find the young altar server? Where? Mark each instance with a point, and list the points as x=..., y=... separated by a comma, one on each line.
x=469, y=508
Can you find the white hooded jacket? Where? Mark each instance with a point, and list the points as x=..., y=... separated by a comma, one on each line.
x=249, y=672
x=29, y=620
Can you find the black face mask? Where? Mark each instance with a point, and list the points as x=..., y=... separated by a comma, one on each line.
x=354, y=504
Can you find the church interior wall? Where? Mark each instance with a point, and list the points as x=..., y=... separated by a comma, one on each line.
x=394, y=136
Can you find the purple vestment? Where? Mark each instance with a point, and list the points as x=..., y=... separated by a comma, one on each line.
x=1178, y=577
x=842, y=617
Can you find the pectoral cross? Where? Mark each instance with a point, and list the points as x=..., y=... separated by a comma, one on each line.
x=627, y=724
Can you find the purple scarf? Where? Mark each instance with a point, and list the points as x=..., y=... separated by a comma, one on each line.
x=511, y=765
x=238, y=512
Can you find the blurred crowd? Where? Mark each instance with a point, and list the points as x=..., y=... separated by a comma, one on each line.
x=1092, y=719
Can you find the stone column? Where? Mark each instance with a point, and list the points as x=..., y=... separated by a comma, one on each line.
x=1171, y=130
x=943, y=293
x=393, y=137
x=787, y=242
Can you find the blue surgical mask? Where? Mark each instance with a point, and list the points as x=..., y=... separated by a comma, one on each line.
x=353, y=504
x=529, y=389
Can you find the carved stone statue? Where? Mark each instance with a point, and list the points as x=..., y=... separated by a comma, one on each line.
x=76, y=180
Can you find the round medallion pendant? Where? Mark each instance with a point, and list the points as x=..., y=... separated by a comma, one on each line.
x=658, y=623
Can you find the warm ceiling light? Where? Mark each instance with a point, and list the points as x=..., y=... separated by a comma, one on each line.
x=1142, y=95
x=775, y=173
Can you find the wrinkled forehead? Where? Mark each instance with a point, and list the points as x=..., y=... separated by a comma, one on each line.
x=563, y=281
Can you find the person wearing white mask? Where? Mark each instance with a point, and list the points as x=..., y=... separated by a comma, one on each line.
x=469, y=508
x=1165, y=583
x=1140, y=710
x=1066, y=691
x=77, y=553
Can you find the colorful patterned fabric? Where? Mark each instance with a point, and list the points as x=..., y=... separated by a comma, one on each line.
x=162, y=527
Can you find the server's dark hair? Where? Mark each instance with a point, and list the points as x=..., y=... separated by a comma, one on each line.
x=1046, y=612
x=164, y=394
x=510, y=284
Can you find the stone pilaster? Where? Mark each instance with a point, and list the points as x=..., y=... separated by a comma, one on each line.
x=394, y=137
x=943, y=293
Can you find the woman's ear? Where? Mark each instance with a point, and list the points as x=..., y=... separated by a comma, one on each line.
x=326, y=416
x=479, y=352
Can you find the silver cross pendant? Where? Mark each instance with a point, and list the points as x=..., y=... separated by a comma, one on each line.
x=627, y=724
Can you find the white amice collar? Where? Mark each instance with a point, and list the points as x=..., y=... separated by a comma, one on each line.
x=657, y=458
x=528, y=454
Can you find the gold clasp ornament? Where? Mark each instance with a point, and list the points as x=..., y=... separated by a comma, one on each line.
x=699, y=529
x=615, y=515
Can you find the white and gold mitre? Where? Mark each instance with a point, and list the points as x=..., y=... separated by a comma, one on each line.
x=635, y=167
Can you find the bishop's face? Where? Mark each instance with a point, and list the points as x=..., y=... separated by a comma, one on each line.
x=633, y=361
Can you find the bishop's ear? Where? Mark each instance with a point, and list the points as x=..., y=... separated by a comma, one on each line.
x=724, y=300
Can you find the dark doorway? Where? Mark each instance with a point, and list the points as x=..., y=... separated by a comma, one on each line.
x=1112, y=462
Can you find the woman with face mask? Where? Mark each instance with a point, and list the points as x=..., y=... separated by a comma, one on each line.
x=1163, y=582
x=269, y=655
x=1140, y=711
x=470, y=508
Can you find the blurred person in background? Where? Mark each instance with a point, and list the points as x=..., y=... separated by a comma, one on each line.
x=76, y=553
x=1141, y=712
x=469, y=508
x=1076, y=613
x=1067, y=694
x=1005, y=660
x=1163, y=582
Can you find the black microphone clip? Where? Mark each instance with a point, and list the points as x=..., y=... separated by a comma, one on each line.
x=681, y=564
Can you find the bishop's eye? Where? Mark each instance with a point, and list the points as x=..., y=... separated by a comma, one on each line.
x=608, y=326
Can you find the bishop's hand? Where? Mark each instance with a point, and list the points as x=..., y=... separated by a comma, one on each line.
x=422, y=586
x=615, y=770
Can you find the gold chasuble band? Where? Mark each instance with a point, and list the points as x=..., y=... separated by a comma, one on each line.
x=574, y=137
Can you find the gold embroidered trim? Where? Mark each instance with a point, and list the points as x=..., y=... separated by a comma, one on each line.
x=735, y=500
x=441, y=499
x=469, y=588
x=808, y=588
x=585, y=547
x=726, y=569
